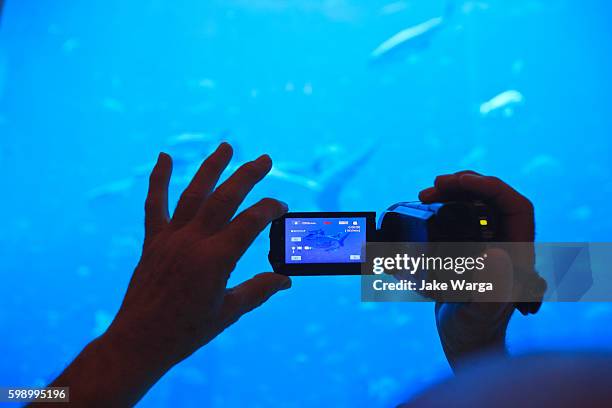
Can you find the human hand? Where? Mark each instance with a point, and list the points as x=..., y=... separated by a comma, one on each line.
x=178, y=300
x=465, y=328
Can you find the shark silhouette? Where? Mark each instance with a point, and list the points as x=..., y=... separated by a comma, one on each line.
x=318, y=239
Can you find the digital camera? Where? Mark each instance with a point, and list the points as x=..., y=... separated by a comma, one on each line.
x=334, y=243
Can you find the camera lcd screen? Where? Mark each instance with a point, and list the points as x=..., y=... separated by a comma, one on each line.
x=325, y=240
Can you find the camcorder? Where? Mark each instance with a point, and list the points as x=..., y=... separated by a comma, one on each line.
x=334, y=243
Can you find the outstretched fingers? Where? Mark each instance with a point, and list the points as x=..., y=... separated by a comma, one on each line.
x=156, y=204
x=201, y=185
x=223, y=203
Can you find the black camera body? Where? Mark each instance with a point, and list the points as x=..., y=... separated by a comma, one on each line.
x=454, y=221
x=334, y=243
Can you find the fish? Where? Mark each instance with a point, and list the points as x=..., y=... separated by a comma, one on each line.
x=335, y=179
x=421, y=32
x=541, y=163
x=111, y=189
x=189, y=139
x=327, y=175
x=189, y=148
x=414, y=37
x=318, y=239
x=505, y=100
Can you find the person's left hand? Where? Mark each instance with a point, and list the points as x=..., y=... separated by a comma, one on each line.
x=178, y=299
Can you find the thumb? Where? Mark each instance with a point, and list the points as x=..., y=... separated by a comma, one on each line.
x=499, y=271
x=251, y=294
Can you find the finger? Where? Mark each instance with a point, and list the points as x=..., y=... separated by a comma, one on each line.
x=251, y=294
x=202, y=184
x=445, y=186
x=156, y=204
x=448, y=184
x=241, y=232
x=430, y=195
x=516, y=209
x=223, y=203
x=508, y=200
x=459, y=173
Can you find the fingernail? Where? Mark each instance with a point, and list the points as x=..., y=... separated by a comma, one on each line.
x=162, y=156
x=224, y=148
x=286, y=284
x=264, y=158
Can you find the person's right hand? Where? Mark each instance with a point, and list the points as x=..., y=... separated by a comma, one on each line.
x=467, y=328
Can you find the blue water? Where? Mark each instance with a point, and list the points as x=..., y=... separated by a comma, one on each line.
x=90, y=92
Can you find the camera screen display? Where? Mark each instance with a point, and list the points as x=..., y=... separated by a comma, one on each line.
x=324, y=240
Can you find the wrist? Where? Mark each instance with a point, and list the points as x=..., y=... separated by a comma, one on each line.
x=110, y=371
x=121, y=370
x=134, y=351
x=468, y=330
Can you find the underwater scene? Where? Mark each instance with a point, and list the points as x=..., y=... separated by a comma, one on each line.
x=360, y=104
